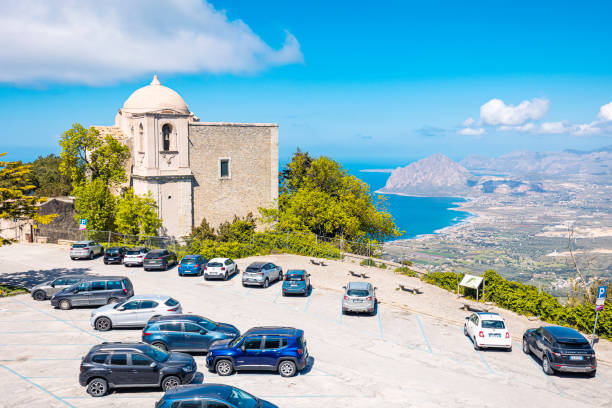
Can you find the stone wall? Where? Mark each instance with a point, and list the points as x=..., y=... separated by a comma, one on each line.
x=253, y=153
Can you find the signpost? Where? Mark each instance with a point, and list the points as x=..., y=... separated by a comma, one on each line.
x=83, y=224
x=599, y=304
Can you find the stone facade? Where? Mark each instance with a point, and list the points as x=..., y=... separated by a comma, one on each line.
x=177, y=159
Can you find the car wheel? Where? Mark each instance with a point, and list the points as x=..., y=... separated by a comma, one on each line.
x=465, y=333
x=65, y=304
x=146, y=269
x=266, y=283
x=509, y=349
x=112, y=300
x=476, y=344
x=287, y=368
x=224, y=367
x=165, y=268
x=592, y=374
x=280, y=276
x=244, y=285
x=546, y=367
x=91, y=255
x=170, y=382
x=225, y=276
x=526, y=347
x=105, y=262
x=343, y=311
x=98, y=387
x=103, y=324
x=39, y=295
x=160, y=345
x=73, y=258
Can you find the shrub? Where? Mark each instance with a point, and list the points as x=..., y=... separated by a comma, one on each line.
x=367, y=262
x=8, y=290
x=404, y=270
x=382, y=266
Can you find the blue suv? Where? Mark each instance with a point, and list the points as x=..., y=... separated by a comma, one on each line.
x=297, y=281
x=281, y=349
x=192, y=265
x=210, y=396
x=186, y=332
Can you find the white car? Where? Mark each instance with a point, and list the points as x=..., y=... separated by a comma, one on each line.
x=220, y=268
x=487, y=330
x=134, y=256
x=134, y=312
x=85, y=249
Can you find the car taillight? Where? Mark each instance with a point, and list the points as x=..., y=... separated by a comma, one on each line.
x=196, y=265
x=223, y=268
x=206, y=268
x=507, y=335
x=300, y=351
x=556, y=354
x=180, y=264
x=480, y=334
x=86, y=248
x=159, y=258
x=369, y=298
x=261, y=274
x=125, y=291
x=345, y=297
x=174, y=309
x=146, y=334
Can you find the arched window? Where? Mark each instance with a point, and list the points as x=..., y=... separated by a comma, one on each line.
x=140, y=138
x=166, y=130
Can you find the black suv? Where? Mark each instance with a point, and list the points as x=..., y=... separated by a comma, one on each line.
x=114, y=255
x=115, y=365
x=560, y=349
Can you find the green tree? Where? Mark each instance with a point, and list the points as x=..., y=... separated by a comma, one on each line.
x=48, y=179
x=202, y=231
x=16, y=201
x=95, y=202
x=240, y=229
x=319, y=196
x=86, y=156
x=137, y=215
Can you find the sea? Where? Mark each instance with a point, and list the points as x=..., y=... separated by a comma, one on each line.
x=414, y=216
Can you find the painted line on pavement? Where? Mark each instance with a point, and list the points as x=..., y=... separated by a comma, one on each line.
x=379, y=322
x=484, y=360
x=308, y=302
x=341, y=312
x=601, y=378
x=531, y=357
x=43, y=389
x=277, y=295
x=423, y=331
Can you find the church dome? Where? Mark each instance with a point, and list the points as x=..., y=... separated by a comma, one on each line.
x=154, y=98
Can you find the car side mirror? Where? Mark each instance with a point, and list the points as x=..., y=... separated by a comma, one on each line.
x=121, y=309
x=467, y=317
x=203, y=332
x=52, y=285
x=308, y=275
x=344, y=287
x=243, y=348
x=153, y=365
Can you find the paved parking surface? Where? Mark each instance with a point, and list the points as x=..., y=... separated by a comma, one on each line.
x=397, y=358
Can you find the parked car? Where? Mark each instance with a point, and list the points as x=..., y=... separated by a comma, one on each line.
x=192, y=265
x=261, y=274
x=221, y=268
x=186, y=332
x=159, y=259
x=44, y=291
x=487, y=330
x=281, y=349
x=114, y=255
x=296, y=281
x=134, y=312
x=210, y=396
x=94, y=291
x=560, y=349
x=135, y=256
x=359, y=297
x=116, y=365
x=85, y=250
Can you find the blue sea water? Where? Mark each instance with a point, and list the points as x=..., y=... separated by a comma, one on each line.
x=413, y=215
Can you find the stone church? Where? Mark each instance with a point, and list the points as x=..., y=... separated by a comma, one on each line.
x=195, y=169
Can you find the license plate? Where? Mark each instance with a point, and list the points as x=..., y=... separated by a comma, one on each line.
x=576, y=358
x=494, y=335
x=357, y=301
x=293, y=284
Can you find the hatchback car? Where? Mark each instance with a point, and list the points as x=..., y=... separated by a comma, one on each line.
x=114, y=255
x=44, y=291
x=220, y=268
x=192, y=265
x=94, y=291
x=487, y=330
x=186, y=332
x=296, y=281
x=135, y=256
x=359, y=297
x=85, y=250
x=560, y=349
x=159, y=259
x=116, y=365
x=134, y=312
x=281, y=349
x=210, y=396
x=262, y=274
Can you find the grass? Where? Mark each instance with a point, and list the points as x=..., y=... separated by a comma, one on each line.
x=6, y=290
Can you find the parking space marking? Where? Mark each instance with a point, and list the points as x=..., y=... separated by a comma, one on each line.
x=58, y=319
x=531, y=357
x=484, y=360
x=379, y=322
x=277, y=295
x=37, y=386
x=308, y=302
x=341, y=313
x=601, y=378
x=424, y=335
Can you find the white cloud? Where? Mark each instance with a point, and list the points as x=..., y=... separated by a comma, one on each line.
x=605, y=112
x=472, y=132
x=527, y=127
x=95, y=42
x=496, y=112
x=587, y=129
x=554, y=128
x=468, y=122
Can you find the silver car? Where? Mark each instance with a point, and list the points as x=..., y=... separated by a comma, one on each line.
x=135, y=256
x=359, y=297
x=44, y=291
x=262, y=274
x=134, y=312
x=85, y=250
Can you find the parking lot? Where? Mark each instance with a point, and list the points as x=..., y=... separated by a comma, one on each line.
x=412, y=353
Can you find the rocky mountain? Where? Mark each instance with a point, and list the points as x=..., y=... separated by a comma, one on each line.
x=435, y=175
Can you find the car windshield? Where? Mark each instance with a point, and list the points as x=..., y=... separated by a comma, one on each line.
x=493, y=324
x=188, y=261
x=157, y=354
x=575, y=346
x=79, y=245
x=133, y=252
x=236, y=341
x=242, y=399
x=207, y=324
x=112, y=251
x=253, y=269
x=215, y=264
x=294, y=277
x=357, y=292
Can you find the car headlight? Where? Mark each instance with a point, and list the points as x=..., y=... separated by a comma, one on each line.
x=187, y=369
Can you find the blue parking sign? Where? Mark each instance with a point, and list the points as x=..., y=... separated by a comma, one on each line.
x=601, y=292
x=83, y=224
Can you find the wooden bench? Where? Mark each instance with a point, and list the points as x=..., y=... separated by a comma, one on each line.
x=416, y=290
x=358, y=274
x=312, y=261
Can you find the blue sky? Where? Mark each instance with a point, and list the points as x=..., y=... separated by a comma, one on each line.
x=365, y=82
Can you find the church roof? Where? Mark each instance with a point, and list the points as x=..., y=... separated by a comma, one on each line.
x=154, y=98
